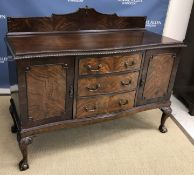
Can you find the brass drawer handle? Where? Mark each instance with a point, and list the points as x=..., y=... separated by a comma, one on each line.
x=90, y=108
x=94, y=69
x=129, y=64
x=123, y=102
x=94, y=88
x=126, y=83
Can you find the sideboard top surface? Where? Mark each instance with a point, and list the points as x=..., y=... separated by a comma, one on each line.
x=84, y=32
x=76, y=42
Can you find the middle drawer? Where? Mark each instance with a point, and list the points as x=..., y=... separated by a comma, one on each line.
x=109, y=84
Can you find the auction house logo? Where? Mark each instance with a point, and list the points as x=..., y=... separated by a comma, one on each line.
x=130, y=2
x=3, y=59
x=2, y=16
x=75, y=0
x=153, y=23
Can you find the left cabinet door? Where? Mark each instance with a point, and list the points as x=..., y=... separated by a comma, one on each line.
x=46, y=90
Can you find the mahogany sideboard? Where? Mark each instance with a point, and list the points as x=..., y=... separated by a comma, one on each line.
x=85, y=67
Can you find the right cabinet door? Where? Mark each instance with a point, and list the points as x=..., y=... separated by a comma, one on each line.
x=158, y=76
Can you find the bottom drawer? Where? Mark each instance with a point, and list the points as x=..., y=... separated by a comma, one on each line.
x=104, y=104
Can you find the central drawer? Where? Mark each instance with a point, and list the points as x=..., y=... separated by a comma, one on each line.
x=102, y=104
x=107, y=84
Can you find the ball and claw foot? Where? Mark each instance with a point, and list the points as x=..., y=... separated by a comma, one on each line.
x=23, y=165
x=23, y=143
x=163, y=129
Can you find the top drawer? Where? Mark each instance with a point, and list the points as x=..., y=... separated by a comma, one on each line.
x=109, y=64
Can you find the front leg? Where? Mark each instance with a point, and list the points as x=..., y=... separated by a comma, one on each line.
x=23, y=143
x=14, y=128
x=166, y=113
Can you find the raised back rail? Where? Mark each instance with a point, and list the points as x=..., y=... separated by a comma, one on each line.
x=82, y=19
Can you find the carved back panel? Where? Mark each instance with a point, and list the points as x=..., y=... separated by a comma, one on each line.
x=32, y=24
x=83, y=19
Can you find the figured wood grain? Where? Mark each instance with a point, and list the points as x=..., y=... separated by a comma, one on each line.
x=46, y=90
x=158, y=76
x=108, y=64
x=30, y=24
x=22, y=65
x=104, y=104
x=121, y=102
x=82, y=19
x=107, y=84
x=95, y=105
x=127, y=62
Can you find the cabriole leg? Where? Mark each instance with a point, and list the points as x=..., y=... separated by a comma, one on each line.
x=166, y=113
x=23, y=143
x=14, y=128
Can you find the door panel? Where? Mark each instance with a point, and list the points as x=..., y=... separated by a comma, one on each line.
x=158, y=76
x=46, y=89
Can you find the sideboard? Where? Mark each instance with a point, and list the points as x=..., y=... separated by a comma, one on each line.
x=85, y=67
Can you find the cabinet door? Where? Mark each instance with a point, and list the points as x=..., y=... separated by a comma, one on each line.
x=157, y=77
x=49, y=90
